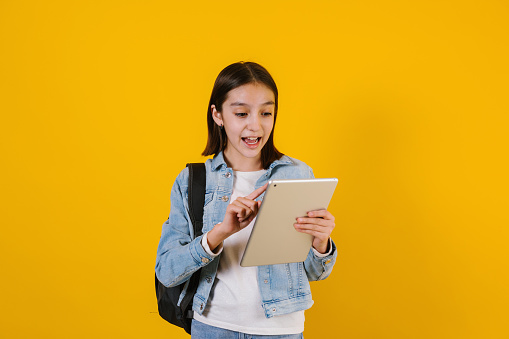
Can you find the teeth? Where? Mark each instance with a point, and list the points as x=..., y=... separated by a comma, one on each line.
x=251, y=140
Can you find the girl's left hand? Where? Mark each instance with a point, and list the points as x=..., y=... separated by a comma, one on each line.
x=319, y=224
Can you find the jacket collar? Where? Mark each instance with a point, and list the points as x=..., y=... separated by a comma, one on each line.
x=218, y=161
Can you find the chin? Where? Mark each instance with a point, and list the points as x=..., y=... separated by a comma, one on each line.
x=252, y=154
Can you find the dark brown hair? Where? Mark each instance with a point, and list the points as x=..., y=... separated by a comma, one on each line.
x=231, y=77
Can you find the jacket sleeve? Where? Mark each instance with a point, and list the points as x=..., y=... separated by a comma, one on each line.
x=319, y=268
x=178, y=254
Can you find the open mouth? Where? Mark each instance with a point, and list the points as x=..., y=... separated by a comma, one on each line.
x=252, y=142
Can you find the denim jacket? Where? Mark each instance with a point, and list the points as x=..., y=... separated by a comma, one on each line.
x=284, y=288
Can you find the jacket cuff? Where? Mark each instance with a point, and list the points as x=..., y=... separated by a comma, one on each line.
x=200, y=256
x=327, y=262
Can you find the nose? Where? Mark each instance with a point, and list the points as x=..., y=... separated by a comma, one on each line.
x=254, y=123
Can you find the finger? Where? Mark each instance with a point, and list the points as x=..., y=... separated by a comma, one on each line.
x=316, y=221
x=234, y=209
x=321, y=214
x=247, y=220
x=248, y=202
x=313, y=227
x=239, y=210
x=255, y=209
x=257, y=192
x=239, y=203
x=245, y=210
x=247, y=217
x=250, y=217
x=253, y=205
x=316, y=234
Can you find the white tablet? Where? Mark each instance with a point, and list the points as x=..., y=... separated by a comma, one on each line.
x=274, y=239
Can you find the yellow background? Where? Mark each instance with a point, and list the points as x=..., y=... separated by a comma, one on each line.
x=103, y=103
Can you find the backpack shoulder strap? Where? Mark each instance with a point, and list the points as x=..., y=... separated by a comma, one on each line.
x=196, y=195
x=196, y=199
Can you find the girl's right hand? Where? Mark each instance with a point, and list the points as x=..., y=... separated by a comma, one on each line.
x=238, y=215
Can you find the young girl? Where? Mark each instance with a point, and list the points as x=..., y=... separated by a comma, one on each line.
x=233, y=301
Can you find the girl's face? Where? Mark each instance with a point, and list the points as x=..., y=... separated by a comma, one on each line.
x=248, y=117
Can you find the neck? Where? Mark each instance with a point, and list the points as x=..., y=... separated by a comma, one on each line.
x=243, y=164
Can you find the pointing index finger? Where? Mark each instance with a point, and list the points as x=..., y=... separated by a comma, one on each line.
x=257, y=192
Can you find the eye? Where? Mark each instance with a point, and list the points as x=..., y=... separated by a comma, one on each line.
x=240, y=115
x=267, y=114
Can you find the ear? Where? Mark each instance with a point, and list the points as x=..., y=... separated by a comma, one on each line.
x=216, y=115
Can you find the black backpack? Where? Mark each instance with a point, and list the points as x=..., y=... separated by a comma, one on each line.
x=167, y=297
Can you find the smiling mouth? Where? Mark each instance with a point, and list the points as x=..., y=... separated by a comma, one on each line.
x=252, y=142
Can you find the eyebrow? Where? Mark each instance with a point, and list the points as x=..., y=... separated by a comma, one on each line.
x=238, y=103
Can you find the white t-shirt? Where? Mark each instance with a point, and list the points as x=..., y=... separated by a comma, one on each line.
x=234, y=302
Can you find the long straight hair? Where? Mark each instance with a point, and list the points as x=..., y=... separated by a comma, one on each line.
x=231, y=77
